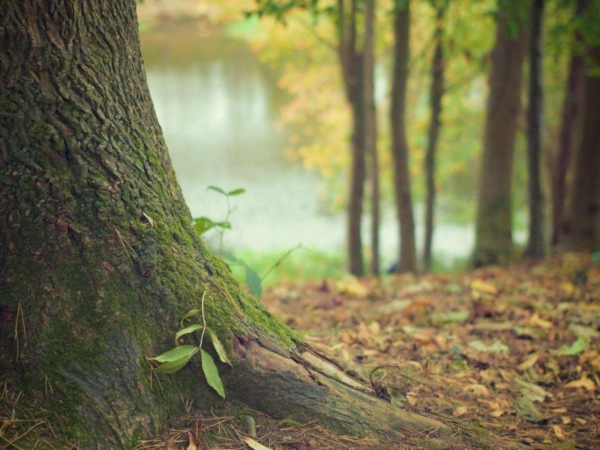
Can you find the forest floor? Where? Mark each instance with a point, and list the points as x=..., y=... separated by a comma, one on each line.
x=511, y=355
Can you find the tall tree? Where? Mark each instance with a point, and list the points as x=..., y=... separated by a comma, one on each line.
x=571, y=112
x=99, y=261
x=351, y=58
x=436, y=93
x=493, y=241
x=536, y=243
x=581, y=228
x=371, y=130
x=407, y=252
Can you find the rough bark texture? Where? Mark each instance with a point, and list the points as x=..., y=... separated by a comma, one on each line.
x=98, y=258
x=371, y=131
x=493, y=241
x=407, y=252
x=536, y=245
x=352, y=72
x=436, y=94
x=581, y=230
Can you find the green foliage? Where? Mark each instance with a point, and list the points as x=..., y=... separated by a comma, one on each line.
x=175, y=359
x=204, y=224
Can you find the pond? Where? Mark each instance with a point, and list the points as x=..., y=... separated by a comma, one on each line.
x=219, y=107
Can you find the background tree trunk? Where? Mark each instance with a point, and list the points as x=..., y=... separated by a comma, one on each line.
x=436, y=94
x=581, y=230
x=493, y=241
x=371, y=131
x=407, y=253
x=351, y=59
x=571, y=113
x=536, y=245
x=99, y=260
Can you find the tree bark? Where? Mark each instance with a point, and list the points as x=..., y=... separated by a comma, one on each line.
x=351, y=59
x=436, y=94
x=571, y=113
x=99, y=260
x=407, y=253
x=581, y=229
x=371, y=131
x=536, y=245
x=493, y=241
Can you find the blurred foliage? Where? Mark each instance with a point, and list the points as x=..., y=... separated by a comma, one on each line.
x=302, y=48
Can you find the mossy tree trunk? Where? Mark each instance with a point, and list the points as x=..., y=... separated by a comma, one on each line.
x=98, y=260
x=493, y=240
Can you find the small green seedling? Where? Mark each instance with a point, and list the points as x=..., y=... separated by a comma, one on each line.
x=175, y=359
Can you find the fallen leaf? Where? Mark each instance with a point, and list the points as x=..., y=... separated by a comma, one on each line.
x=536, y=320
x=532, y=391
x=560, y=434
x=497, y=413
x=482, y=287
x=574, y=349
x=529, y=362
x=527, y=410
x=583, y=382
x=460, y=411
x=479, y=390
x=254, y=445
x=566, y=420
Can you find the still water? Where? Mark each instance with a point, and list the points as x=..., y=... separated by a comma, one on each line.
x=219, y=106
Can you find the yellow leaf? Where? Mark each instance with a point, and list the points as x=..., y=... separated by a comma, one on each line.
x=479, y=390
x=536, y=320
x=460, y=411
x=583, y=382
x=483, y=287
x=411, y=398
x=192, y=445
x=565, y=420
x=254, y=445
x=529, y=362
x=560, y=434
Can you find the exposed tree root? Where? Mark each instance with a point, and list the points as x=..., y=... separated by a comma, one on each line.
x=305, y=386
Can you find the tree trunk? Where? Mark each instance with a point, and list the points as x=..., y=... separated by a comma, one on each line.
x=536, y=246
x=493, y=241
x=352, y=73
x=570, y=115
x=99, y=261
x=436, y=94
x=371, y=131
x=407, y=254
x=581, y=230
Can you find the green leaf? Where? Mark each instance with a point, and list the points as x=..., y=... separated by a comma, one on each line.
x=177, y=353
x=229, y=257
x=253, y=281
x=219, y=347
x=190, y=313
x=216, y=189
x=596, y=257
x=212, y=373
x=188, y=330
x=203, y=224
x=574, y=349
x=224, y=225
x=238, y=191
x=174, y=366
